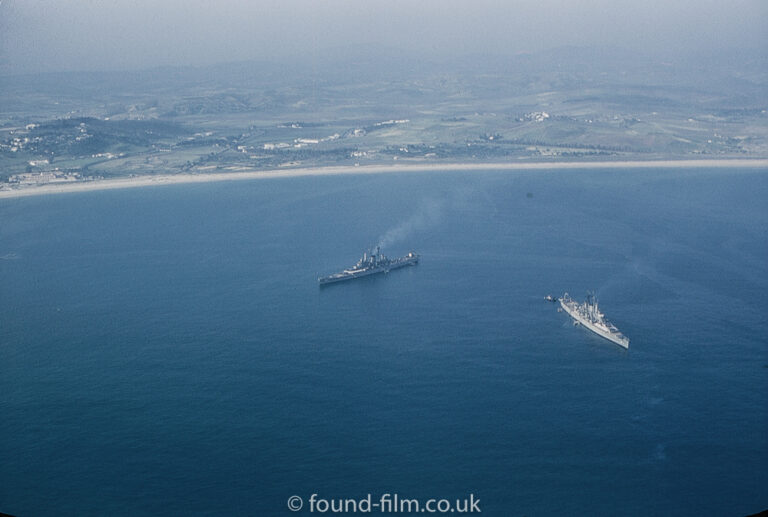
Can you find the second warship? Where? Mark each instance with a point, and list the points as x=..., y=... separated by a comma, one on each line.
x=588, y=314
x=371, y=263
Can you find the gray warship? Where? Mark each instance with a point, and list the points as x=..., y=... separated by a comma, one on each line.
x=372, y=262
x=588, y=315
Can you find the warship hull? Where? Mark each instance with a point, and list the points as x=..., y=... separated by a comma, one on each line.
x=581, y=316
x=369, y=267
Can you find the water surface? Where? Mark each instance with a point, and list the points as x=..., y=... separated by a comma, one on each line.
x=167, y=351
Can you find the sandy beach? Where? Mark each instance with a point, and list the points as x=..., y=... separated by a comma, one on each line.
x=175, y=179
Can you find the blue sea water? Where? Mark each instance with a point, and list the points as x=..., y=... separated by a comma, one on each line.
x=167, y=351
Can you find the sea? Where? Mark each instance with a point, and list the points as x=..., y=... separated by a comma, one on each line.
x=168, y=350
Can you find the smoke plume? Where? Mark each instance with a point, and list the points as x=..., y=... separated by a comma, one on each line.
x=428, y=214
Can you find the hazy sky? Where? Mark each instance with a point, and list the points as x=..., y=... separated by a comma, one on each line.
x=124, y=34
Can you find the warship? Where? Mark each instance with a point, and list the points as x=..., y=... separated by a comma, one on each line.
x=371, y=263
x=588, y=314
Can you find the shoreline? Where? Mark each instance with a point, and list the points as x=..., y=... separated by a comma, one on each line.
x=180, y=179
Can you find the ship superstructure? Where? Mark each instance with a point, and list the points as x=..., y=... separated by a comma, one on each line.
x=371, y=263
x=588, y=314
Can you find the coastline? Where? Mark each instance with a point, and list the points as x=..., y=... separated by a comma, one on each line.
x=177, y=179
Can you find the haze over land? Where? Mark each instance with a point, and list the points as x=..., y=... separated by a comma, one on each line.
x=92, y=92
x=56, y=35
